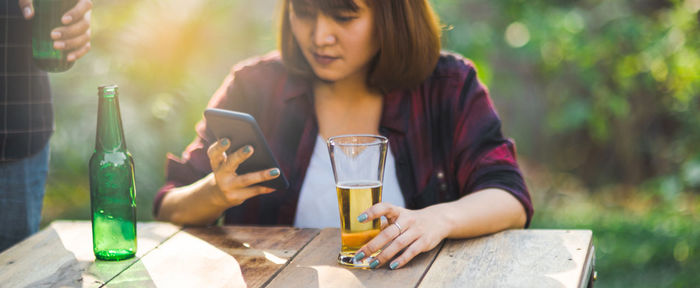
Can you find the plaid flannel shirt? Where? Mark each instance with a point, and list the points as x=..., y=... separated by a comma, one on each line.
x=445, y=136
x=26, y=110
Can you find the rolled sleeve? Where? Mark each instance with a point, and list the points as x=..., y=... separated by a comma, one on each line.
x=192, y=166
x=485, y=158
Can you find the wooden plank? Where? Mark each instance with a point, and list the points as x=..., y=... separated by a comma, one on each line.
x=514, y=258
x=216, y=257
x=182, y=261
x=61, y=255
x=316, y=266
x=261, y=251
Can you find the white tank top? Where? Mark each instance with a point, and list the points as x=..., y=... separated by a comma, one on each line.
x=318, y=200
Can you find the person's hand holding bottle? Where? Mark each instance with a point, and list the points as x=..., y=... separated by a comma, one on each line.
x=74, y=36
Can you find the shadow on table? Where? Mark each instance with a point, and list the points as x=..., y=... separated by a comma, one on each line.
x=68, y=271
x=331, y=276
x=66, y=257
x=260, y=251
x=70, y=274
x=317, y=266
x=182, y=261
x=138, y=275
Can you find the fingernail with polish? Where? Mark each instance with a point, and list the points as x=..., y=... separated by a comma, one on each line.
x=359, y=256
x=274, y=172
x=55, y=35
x=224, y=142
x=394, y=265
x=66, y=19
x=362, y=217
x=374, y=264
x=246, y=149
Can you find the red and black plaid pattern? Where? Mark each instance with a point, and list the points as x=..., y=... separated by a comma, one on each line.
x=445, y=136
x=26, y=110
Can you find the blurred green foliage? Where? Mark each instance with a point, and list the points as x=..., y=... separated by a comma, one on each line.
x=602, y=98
x=604, y=89
x=644, y=236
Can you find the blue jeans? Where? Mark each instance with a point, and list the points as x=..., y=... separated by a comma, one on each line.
x=22, y=186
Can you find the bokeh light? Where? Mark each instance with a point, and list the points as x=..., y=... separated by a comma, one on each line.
x=517, y=35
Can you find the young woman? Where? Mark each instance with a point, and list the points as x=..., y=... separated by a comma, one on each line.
x=358, y=67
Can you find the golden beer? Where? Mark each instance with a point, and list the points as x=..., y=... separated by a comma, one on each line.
x=353, y=199
x=358, y=168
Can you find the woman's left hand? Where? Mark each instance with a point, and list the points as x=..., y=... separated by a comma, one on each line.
x=416, y=231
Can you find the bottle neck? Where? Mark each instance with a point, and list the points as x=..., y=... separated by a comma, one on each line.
x=110, y=136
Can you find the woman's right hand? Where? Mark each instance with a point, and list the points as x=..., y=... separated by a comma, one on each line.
x=234, y=189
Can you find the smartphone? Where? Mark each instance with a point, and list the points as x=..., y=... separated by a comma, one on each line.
x=242, y=129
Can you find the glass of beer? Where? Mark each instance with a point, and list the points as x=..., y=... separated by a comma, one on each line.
x=358, y=167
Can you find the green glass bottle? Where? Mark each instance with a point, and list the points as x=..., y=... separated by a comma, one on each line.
x=112, y=195
x=47, y=16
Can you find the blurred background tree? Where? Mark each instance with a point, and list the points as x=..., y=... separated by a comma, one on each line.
x=602, y=98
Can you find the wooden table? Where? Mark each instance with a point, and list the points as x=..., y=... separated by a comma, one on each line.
x=235, y=256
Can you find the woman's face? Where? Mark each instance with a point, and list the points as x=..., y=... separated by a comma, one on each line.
x=336, y=46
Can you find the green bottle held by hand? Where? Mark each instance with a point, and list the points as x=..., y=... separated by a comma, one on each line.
x=112, y=195
x=47, y=17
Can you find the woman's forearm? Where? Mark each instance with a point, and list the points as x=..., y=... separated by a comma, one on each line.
x=195, y=204
x=479, y=213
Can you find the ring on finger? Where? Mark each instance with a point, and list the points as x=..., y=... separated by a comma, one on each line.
x=399, y=227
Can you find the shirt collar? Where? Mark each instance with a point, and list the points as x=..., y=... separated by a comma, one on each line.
x=396, y=111
x=295, y=86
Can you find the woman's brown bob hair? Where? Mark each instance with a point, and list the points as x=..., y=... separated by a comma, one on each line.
x=408, y=32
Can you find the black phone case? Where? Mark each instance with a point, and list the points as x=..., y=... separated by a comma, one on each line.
x=242, y=129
